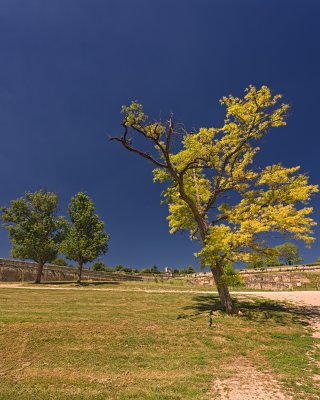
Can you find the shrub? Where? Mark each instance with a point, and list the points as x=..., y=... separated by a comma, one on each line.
x=99, y=266
x=60, y=261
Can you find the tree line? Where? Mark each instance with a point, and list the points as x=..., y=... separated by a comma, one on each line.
x=101, y=266
x=39, y=234
x=284, y=254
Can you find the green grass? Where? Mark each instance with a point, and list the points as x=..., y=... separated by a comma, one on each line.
x=157, y=283
x=86, y=344
x=178, y=283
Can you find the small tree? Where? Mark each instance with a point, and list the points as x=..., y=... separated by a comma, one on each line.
x=213, y=190
x=99, y=266
x=34, y=228
x=154, y=270
x=288, y=253
x=190, y=270
x=84, y=237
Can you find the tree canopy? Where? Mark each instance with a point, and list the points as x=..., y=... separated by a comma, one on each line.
x=288, y=253
x=213, y=190
x=33, y=227
x=84, y=236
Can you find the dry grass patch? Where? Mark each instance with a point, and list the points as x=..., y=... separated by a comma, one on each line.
x=76, y=344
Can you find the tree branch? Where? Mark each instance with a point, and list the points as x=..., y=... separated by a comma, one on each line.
x=126, y=144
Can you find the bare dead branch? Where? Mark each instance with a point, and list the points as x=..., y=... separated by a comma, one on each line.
x=129, y=147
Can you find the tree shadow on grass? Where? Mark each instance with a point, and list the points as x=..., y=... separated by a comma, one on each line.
x=252, y=309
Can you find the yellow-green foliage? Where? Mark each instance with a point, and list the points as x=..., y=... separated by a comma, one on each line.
x=213, y=187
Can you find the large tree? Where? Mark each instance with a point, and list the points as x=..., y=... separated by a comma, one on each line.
x=34, y=228
x=84, y=237
x=213, y=191
x=288, y=253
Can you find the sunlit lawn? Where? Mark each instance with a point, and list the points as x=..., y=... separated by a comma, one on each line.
x=85, y=344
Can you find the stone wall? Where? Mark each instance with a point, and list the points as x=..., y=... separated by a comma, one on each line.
x=281, y=278
x=276, y=278
x=25, y=271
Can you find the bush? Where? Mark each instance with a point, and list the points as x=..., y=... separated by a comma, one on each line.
x=145, y=271
x=190, y=270
x=60, y=261
x=99, y=266
x=127, y=270
x=152, y=270
x=231, y=277
x=184, y=271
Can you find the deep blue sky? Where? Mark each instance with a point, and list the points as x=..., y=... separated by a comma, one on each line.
x=67, y=66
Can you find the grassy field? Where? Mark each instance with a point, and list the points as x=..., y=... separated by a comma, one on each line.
x=180, y=284
x=89, y=344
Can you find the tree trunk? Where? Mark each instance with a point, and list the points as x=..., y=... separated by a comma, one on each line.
x=39, y=273
x=223, y=290
x=79, y=272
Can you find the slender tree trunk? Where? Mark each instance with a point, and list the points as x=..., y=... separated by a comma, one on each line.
x=79, y=272
x=39, y=272
x=223, y=290
x=216, y=269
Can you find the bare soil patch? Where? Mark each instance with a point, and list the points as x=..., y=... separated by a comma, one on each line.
x=246, y=383
x=307, y=301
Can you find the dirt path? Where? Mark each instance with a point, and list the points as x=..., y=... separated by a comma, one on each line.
x=307, y=301
x=300, y=298
x=246, y=382
x=303, y=298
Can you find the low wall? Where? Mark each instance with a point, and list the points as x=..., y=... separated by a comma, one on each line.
x=25, y=271
x=281, y=278
x=275, y=278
